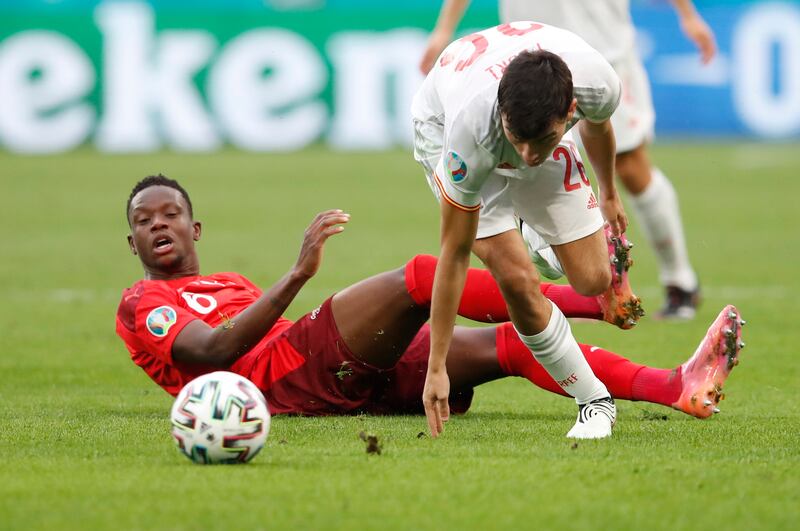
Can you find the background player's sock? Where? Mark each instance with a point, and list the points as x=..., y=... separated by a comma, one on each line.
x=482, y=301
x=623, y=378
x=557, y=351
x=658, y=211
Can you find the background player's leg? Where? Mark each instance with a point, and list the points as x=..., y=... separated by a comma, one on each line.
x=377, y=318
x=656, y=205
x=633, y=168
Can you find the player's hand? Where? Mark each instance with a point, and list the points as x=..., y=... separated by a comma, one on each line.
x=614, y=213
x=697, y=31
x=434, y=398
x=325, y=225
x=437, y=42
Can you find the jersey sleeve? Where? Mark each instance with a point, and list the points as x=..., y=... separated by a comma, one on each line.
x=597, y=87
x=149, y=320
x=465, y=165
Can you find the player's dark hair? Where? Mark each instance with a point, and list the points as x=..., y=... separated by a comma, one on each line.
x=157, y=180
x=535, y=91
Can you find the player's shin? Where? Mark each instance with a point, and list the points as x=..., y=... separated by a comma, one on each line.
x=557, y=351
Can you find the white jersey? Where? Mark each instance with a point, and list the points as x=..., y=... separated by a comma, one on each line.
x=460, y=96
x=605, y=24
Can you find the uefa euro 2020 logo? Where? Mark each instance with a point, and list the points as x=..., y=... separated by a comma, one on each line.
x=160, y=320
x=456, y=166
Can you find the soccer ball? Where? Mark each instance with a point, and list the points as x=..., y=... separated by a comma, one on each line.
x=220, y=417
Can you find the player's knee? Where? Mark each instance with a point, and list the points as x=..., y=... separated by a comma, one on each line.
x=422, y=264
x=397, y=277
x=517, y=283
x=418, y=277
x=625, y=165
x=633, y=169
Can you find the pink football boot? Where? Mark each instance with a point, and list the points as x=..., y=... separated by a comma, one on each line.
x=619, y=304
x=704, y=373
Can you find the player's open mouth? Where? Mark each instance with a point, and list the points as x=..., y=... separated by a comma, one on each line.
x=163, y=245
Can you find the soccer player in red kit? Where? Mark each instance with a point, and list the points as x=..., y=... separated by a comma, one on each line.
x=364, y=349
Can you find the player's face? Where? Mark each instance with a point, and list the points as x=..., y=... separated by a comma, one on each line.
x=163, y=233
x=534, y=152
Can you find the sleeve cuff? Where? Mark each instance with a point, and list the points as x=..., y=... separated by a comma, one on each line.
x=462, y=202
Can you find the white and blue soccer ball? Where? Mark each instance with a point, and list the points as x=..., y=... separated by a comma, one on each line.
x=220, y=417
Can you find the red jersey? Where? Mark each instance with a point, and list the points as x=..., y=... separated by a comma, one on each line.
x=152, y=313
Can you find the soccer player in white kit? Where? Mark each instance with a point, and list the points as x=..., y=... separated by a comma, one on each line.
x=606, y=25
x=492, y=123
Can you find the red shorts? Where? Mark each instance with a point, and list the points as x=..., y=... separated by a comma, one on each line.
x=332, y=381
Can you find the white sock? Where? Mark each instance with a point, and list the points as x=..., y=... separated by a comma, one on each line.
x=659, y=214
x=558, y=352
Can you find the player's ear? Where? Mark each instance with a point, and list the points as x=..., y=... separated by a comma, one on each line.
x=572, y=108
x=131, y=245
x=198, y=229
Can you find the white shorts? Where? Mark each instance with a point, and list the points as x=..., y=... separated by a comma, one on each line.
x=555, y=199
x=634, y=119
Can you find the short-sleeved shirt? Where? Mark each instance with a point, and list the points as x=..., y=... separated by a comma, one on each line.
x=460, y=95
x=152, y=313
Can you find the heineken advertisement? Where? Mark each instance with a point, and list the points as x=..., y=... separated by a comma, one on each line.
x=195, y=76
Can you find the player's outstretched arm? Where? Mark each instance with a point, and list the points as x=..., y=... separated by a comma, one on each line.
x=457, y=236
x=449, y=17
x=224, y=344
x=598, y=140
x=696, y=29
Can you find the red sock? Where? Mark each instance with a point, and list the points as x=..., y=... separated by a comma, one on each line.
x=571, y=303
x=516, y=360
x=482, y=300
x=660, y=386
x=624, y=379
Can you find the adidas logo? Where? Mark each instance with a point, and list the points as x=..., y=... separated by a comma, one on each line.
x=592, y=202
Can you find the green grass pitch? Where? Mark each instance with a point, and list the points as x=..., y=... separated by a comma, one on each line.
x=84, y=437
